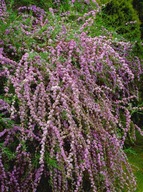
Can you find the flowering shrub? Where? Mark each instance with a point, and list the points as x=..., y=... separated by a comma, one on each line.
x=65, y=106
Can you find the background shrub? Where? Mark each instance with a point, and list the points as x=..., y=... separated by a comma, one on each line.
x=123, y=18
x=138, y=5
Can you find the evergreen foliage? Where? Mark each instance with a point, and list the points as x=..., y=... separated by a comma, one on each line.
x=138, y=5
x=123, y=18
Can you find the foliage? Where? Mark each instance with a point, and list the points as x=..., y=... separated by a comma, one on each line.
x=123, y=18
x=138, y=5
x=66, y=105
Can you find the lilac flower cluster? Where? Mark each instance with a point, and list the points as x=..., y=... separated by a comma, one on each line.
x=36, y=10
x=68, y=99
x=2, y=8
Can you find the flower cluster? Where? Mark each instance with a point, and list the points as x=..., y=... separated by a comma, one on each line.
x=2, y=8
x=67, y=100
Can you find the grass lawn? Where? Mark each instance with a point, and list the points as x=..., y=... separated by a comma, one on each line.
x=135, y=156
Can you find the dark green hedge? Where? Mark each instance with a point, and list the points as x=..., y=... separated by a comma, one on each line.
x=138, y=5
x=123, y=18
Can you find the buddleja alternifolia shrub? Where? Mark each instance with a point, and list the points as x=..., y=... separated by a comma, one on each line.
x=65, y=106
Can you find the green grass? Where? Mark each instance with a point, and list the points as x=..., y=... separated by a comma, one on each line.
x=135, y=156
